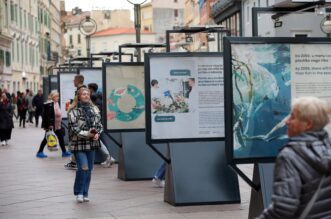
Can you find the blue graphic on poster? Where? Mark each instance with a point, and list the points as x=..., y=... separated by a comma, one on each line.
x=133, y=113
x=261, y=98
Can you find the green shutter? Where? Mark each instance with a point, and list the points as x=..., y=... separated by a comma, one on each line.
x=8, y=60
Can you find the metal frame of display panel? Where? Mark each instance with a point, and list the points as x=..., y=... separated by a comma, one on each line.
x=228, y=87
x=104, y=97
x=148, y=56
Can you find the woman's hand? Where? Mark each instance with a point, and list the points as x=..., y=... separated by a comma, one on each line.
x=96, y=137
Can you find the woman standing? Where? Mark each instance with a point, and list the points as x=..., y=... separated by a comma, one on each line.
x=84, y=132
x=22, y=105
x=6, y=119
x=52, y=118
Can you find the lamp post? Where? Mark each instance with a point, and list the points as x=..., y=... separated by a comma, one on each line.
x=326, y=25
x=137, y=22
x=88, y=26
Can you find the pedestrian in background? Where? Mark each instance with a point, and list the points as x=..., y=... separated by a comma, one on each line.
x=29, y=97
x=22, y=105
x=78, y=83
x=14, y=104
x=37, y=103
x=52, y=118
x=302, y=180
x=84, y=131
x=96, y=98
x=6, y=119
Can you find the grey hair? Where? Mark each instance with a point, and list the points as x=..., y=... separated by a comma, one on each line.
x=312, y=109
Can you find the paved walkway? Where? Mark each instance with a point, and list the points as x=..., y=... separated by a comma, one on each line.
x=42, y=188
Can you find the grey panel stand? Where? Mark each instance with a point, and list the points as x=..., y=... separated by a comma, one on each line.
x=199, y=174
x=137, y=161
x=262, y=175
x=111, y=146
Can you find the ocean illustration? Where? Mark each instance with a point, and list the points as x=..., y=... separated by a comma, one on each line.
x=261, y=98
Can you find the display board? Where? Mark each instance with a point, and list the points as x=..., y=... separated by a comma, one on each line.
x=66, y=90
x=184, y=97
x=92, y=75
x=123, y=97
x=53, y=82
x=262, y=76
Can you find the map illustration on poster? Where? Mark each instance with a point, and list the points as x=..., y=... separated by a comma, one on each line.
x=125, y=97
x=186, y=97
x=265, y=79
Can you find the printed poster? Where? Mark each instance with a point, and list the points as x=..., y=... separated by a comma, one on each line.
x=187, y=99
x=265, y=78
x=125, y=97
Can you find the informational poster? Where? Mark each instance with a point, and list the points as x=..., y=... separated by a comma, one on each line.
x=67, y=90
x=265, y=78
x=186, y=97
x=124, y=97
x=53, y=82
x=92, y=75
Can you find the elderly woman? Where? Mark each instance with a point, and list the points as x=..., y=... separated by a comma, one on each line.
x=303, y=166
x=52, y=118
x=84, y=132
x=6, y=119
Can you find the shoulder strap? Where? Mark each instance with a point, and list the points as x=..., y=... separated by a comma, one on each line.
x=312, y=200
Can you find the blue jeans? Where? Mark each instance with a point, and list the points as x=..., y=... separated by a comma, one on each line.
x=85, y=161
x=160, y=173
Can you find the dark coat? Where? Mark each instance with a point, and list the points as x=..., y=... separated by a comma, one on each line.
x=6, y=116
x=48, y=115
x=298, y=171
x=37, y=102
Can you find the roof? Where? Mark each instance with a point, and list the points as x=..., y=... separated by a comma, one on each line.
x=119, y=31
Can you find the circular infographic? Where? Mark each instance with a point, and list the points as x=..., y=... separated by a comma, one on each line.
x=126, y=104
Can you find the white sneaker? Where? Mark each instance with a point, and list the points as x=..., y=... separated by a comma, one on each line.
x=86, y=199
x=80, y=198
x=157, y=182
x=107, y=163
x=3, y=143
x=6, y=143
x=162, y=184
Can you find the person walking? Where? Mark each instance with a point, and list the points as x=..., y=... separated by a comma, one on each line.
x=52, y=118
x=22, y=105
x=96, y=98
x=6, y=119
x=78, y=83
x=37, y=103
x=29, y=97
x=302, y=175
x=84, y=131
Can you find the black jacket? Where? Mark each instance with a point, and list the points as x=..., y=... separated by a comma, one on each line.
x=6, y=116
x=37, y=102
x=298, y=171
x=48, y=115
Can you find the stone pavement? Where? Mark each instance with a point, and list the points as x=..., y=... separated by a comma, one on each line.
x=41, y=188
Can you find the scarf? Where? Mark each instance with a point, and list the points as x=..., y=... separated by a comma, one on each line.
x=87, y=112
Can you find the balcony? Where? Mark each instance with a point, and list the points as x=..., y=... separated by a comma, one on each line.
x=222, y=5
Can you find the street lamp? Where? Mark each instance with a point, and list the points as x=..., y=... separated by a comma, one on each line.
x=137, y=22
x=326, y=25
x=88, y=26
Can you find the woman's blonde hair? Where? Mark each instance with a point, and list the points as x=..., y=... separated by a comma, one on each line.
x=76, y=99
x=52, y=94
x=312, y=109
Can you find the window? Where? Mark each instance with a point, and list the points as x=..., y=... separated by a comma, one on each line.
x=70, y=39
x=18, y=50
x=16, y=13
x=25, y=20
x=247, y=13
x=21, y=17
x=175, y=1
x=8, y=60
x=176, y=12
x=267, y=3
x=13, y=49
x=2, y=57
x=78, y=38
x=79, y=52
x=12, y=11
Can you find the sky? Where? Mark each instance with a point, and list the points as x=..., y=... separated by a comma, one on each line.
x=88, y=5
